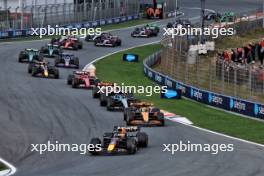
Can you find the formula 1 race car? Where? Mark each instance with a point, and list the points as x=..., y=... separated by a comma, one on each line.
x=30, y=55
x=107, y=39
x=68, y=42
x=116, y=101
x=101, y=85
x=43, y=69
x=50, y=50
x=183, y=22
x=143, y=32
x=90, y=38
x=217, y=17
x=121, y=140
x=66, y=60
x=143, y=114
x=82, y=79
x=153, y=27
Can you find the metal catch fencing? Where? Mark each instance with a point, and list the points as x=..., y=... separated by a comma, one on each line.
x=67, y=13
x=213, y=73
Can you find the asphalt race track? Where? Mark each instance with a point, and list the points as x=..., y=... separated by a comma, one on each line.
x=34, y=110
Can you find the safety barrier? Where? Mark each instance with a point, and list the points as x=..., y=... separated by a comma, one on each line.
x=27, y=32
x=233, y=104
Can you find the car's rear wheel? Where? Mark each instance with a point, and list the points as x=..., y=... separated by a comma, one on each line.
x=69, y=79
x=95, y=92
x=160, y=117
x=56, y=73
x=74, y=83
x=102, y=101
x=34, y=71
x=30, y=65
x=109, y=105
x=131, y=146
x=95, y=142
x=142, y=139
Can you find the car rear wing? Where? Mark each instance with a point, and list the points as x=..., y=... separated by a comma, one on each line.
x=128, y=129
x=101, y=84
x=81, y=72
x=140, y=104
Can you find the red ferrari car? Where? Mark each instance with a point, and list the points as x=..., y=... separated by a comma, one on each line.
x=71, y=43
x=82, y=79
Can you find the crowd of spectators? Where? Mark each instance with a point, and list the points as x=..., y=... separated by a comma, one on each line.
x=248, y=54
x=246, y=62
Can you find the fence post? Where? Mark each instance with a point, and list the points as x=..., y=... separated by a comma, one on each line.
x=210, y=75
x=235, y=81
x=250, y=82
x=223, y=77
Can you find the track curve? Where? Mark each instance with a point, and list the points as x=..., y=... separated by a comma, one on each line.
x=36, y=110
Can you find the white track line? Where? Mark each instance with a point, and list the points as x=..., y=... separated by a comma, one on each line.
x=11, y=171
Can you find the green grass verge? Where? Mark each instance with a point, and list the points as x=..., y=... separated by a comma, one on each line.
x=2, y=167
x=104, y=28
x=113, y=69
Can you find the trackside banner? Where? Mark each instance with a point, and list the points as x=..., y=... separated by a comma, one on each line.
x=27, y=32
x=240, y=106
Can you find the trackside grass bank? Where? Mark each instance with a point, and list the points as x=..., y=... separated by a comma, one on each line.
x=113, y=69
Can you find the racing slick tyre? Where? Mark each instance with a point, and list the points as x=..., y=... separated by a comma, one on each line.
x=96, y=81
x=57, y=52
x=37, y=58
x=102, y=101
x=155, y=33
x=74, y=83
x=34, y=72
x=75, y=46
x=56, y=74
x=114, y=44
x=44, y=50
x=21, y=57
x=69, y=79
x=95, y=142
x=119, y=42
x=108, y=135
x=131, y=146
x=155, y=110
x=30, y=65
x=142, y=139
x=54, y=71
x=95, y=94
x=108, y=105
x=160, y=117
x=96, y=41
x=80, y=46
